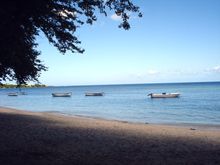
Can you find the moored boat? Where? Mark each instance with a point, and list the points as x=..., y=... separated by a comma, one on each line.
x=62, y=94
x=164, y=95
x=13, y=94
x=94, y=94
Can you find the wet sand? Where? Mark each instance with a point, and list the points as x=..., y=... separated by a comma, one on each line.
x=30, y=138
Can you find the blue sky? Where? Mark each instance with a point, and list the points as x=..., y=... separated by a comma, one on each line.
x=175, y=41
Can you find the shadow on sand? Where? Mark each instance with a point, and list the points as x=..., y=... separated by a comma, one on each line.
x=32, y=140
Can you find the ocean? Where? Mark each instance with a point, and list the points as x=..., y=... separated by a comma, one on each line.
x=199, y=103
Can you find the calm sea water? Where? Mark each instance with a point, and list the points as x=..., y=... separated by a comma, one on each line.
x=199, y=103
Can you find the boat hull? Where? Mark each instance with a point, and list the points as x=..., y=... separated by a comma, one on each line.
x=12, y=94
x=61, y=94
x=167, y=95
x=94, y=94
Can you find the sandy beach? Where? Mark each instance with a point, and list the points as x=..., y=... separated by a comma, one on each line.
x=46, y=138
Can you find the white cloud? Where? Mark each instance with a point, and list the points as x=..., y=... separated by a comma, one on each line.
x=65, y=13
x=215, y=69
x=115, y=17
x=152, y=72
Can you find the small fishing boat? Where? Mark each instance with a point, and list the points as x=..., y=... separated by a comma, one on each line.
x=94, y=94
x=164, y=95
x=12, y=94
x=62, y=94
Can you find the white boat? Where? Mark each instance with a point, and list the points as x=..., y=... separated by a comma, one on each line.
x=94, y=94
x=62, y=94
x=12, y=94
x=164, y=95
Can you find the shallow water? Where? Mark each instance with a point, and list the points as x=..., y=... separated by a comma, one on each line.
x=199, y=103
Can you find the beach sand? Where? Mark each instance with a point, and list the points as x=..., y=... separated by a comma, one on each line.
x=30, y=138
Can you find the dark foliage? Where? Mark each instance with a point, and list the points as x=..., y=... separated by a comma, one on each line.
x=22, y=20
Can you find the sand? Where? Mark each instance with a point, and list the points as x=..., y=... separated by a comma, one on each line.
x=30, y=138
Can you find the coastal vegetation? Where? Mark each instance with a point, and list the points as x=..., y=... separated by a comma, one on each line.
x=58, y=20
x=22, y=86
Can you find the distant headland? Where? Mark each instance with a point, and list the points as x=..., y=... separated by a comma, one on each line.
x=22, y=86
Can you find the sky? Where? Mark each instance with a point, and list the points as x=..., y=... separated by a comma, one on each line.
x=174, y=41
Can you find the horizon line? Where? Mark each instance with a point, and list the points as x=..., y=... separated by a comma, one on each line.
x=184, y=82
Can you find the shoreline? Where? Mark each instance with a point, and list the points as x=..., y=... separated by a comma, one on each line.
x=214, y=127
x=47, y=138
x=80, y=118
x=203, y=126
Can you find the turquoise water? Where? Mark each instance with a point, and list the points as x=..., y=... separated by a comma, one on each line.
x=199, y=103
